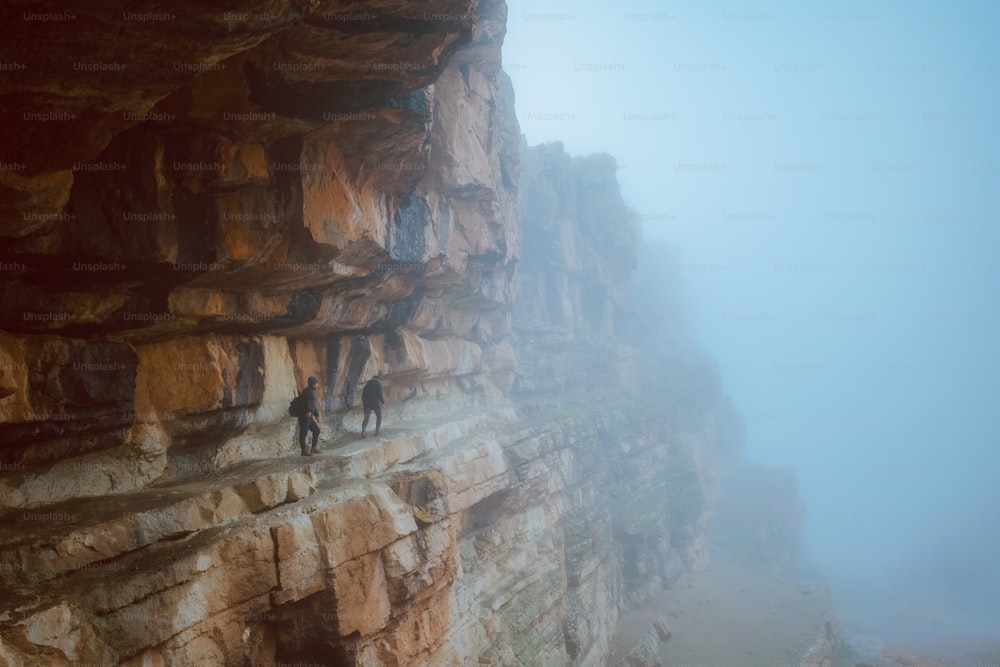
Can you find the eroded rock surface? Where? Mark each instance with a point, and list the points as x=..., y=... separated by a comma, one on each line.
x=203, y=205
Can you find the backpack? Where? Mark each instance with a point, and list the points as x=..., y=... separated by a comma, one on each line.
x=297, y=408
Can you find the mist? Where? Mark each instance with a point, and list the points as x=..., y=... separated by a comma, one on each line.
x=826, y=177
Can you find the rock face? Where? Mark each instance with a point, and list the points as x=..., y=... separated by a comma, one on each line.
x=200, y=207
x=579, y=250
x=823, y=651
x=225, y=235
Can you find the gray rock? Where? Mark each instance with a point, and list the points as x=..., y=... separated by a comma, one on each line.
x=662, y=629
x=646, y=653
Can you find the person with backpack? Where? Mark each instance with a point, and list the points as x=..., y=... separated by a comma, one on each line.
x=306, y=408
x=372, y=401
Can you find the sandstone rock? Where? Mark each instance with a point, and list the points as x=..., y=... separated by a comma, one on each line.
x=191, y=375
x=362, y=600
x=573, y=278
x=60, y=628
x=289, y=203
x=32, y=204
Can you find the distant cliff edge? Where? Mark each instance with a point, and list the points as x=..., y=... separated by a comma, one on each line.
x=215, y=205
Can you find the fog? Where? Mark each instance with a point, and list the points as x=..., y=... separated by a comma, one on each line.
x=827, y=177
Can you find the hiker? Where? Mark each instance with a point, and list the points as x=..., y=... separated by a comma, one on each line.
x=372, y=401
x=309, y=419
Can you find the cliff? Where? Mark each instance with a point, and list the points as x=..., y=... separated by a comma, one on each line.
x=202, y=206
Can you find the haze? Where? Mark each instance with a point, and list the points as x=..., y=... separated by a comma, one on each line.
x=827, y=177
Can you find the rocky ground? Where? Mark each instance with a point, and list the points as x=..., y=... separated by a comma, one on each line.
x=732, y=615
x=954, y=653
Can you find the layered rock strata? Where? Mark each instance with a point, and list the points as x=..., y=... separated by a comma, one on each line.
x=298, y=208
x=205, y=205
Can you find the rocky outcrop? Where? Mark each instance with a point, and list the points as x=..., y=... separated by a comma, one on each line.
x=579, y=251
x=823, y=651
x=205, y=205
x=575, y=333
x=228, y=231
x=646, y=653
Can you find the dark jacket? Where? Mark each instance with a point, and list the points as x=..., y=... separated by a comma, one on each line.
x=310, y=401
x=371, y=395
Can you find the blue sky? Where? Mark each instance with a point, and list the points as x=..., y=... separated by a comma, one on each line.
x=829, y=174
